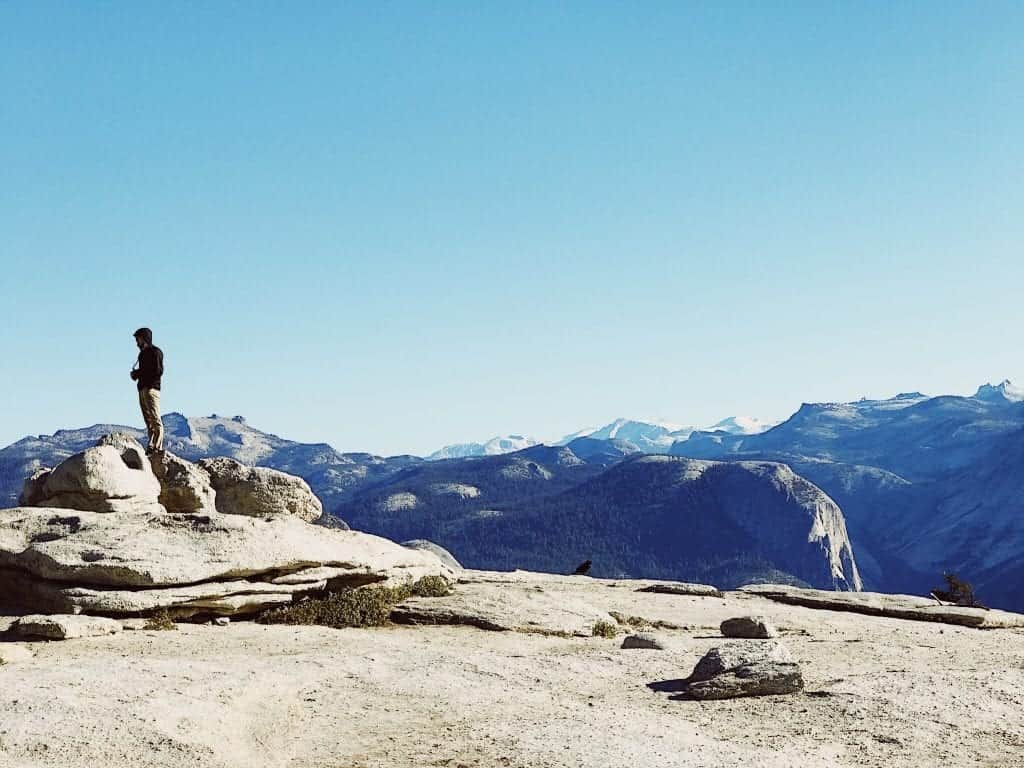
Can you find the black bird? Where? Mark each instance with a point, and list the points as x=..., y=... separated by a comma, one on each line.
x=582, y=569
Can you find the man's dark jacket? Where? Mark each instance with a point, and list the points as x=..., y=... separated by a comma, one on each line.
x=151, y=368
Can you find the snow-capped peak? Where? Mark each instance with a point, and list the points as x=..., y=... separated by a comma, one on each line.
x=649, y=436
x=493, y=447
x=1004, y=390
x=741, y=425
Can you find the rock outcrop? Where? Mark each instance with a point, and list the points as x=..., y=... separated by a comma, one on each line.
x=260, y=491
x=446, y=557
x=682, y=588
x=227, y=539
x=65, y=627
x=57, y=561
x=895, y=606
x=475, y=602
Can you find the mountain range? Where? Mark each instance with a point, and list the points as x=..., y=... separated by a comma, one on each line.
x=646, y=436
x=922, y=485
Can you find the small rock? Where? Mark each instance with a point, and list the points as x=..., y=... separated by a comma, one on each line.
x=722, y=658
x=745, y=668
x=753, y=627
x=644, y=640
x=682, y=588
x=132, y=625
x=11, y=654
x=65, y=626
x=761, y=679
x=221, y=621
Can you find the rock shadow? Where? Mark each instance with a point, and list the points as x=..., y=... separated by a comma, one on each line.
x=676, y=685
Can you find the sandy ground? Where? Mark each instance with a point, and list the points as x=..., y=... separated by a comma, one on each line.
x=880, y=692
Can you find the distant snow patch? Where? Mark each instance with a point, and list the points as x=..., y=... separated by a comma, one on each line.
x=398, y=502
x=461, y=490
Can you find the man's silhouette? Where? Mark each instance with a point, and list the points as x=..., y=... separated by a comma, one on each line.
x=147, y=372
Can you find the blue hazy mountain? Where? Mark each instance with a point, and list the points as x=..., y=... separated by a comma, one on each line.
x=547, y=508
x=927, y=483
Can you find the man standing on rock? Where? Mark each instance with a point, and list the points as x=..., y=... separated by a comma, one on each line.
x=146, y=373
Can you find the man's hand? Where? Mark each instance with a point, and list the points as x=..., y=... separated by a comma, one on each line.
x=135, y=374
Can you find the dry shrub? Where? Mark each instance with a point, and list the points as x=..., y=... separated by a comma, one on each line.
x=958, y=592
x=636, y=622
x=161, y=621
x=431, y=586
x=368, y=606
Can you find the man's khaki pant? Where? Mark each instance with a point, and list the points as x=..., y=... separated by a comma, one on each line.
x=149, y=401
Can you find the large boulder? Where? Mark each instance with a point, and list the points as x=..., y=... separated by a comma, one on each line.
x=745, y=668
x=123, y=564
x=113, y=476
x=185, y=488
x=260, y=491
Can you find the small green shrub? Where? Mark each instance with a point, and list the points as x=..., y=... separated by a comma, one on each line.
x=431, y=586
x=636, y=622
x=160, y=621
x=368, y=606
x=360, y=607
x=604, y=629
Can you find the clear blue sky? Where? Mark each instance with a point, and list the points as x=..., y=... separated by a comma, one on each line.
x=391, y=226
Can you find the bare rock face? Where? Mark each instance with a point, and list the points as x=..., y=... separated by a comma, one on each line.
x=185, y=488
x=446, y=557
x=752, y=627
x=113, y=476
x=66, y=627
x=489, y=605
x=128, y=564
x=745, y=668
x=260, y=491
